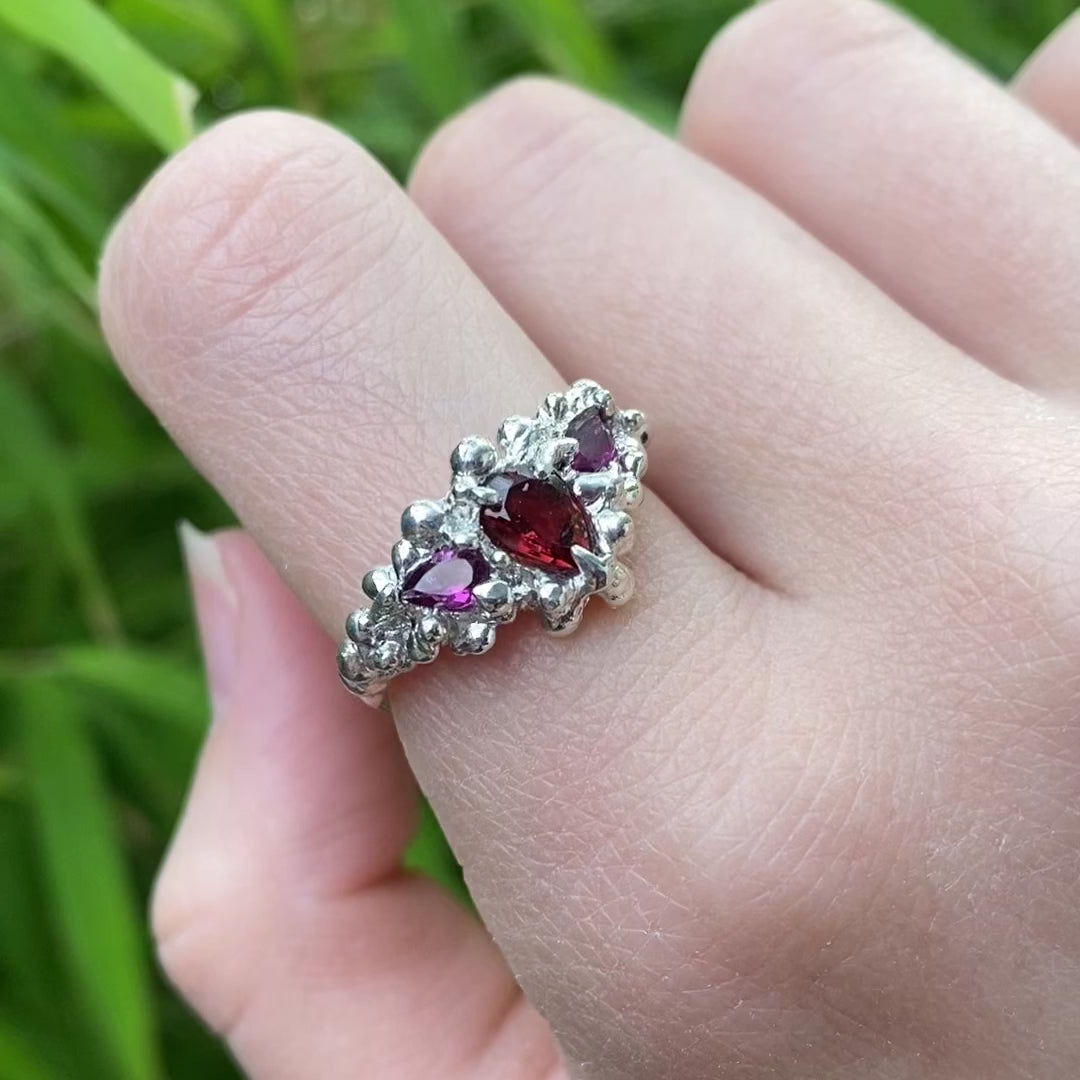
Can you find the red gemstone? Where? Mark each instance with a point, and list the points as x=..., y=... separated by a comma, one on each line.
x=536, y=522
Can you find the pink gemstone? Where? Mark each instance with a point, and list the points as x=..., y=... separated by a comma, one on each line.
x=536, y=522
x=596, y=447
x=446, y=579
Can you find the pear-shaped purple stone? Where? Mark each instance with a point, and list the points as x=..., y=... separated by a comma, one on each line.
x=596, y=447
x=446, y=579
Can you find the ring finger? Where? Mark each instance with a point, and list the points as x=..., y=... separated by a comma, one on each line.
x=316, y=348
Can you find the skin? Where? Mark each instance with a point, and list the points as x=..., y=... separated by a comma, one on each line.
x=808, y=807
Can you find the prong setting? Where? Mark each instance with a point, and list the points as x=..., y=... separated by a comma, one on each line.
x=592, y=486
x=403, y=555
x=473, y=456
x=377, y=581
x=422, y=519
x=617, y=528
x=555, y=455
x=496, y=597
x=512, y=430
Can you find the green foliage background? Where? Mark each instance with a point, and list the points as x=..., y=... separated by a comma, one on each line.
x=101, y=696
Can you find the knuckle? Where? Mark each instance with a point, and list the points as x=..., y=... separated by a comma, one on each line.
x=201, y=932
x=529, y=132
x=773, y=48
x=177, y=932
x=1010, y=540
x=829, y=27
x=242, y=228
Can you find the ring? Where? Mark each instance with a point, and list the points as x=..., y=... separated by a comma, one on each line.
x=537, y=520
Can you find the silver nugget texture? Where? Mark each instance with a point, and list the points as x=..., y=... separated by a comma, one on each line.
x=392, y=635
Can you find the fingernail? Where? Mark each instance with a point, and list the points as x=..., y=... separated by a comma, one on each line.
x=216, y=608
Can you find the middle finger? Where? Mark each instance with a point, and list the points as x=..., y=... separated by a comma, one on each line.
x=798, y=399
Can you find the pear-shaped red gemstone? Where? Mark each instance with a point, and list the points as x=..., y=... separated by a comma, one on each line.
x=536, y=522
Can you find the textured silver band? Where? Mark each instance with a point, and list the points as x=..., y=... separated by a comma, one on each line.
x=539, y=519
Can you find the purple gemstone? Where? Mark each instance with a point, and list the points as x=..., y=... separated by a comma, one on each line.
x=596, y=447
x=446, y=579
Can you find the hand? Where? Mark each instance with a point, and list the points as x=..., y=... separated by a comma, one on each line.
x=808, y=808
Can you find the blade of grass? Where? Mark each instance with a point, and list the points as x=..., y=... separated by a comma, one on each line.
x=35, y=148
x=156, y=685
x=22, y=214
x=434, y=54
x=964, y=23
x=27, y=953
x=150, y=712
x=562, y=34
x=64, y=200
x=1040, y=18
x=272, y=24
x=31, y=456
x=157, y=99
x=200, y=37
x=34, y=301
x=92, y=900
x=51, y=1038
x=19, y=1060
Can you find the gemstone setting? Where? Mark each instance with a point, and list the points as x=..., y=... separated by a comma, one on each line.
x=596, y=445
x=446, y=579
x=536, y=522
x=537, y=519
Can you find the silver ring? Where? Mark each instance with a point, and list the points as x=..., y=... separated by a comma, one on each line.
x=537, y=520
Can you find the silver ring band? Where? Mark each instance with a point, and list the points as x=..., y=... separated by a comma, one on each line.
x=539, y=519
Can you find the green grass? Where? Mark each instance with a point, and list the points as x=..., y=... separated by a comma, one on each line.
x=101, y=697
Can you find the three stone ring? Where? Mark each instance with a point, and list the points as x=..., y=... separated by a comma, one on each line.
x=536, y=520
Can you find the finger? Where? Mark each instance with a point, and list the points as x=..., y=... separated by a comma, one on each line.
x=1050, y=80
x=793, y=396
x=282, y=911
x=318, y=349
x=312, y=343
x=933, y=181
